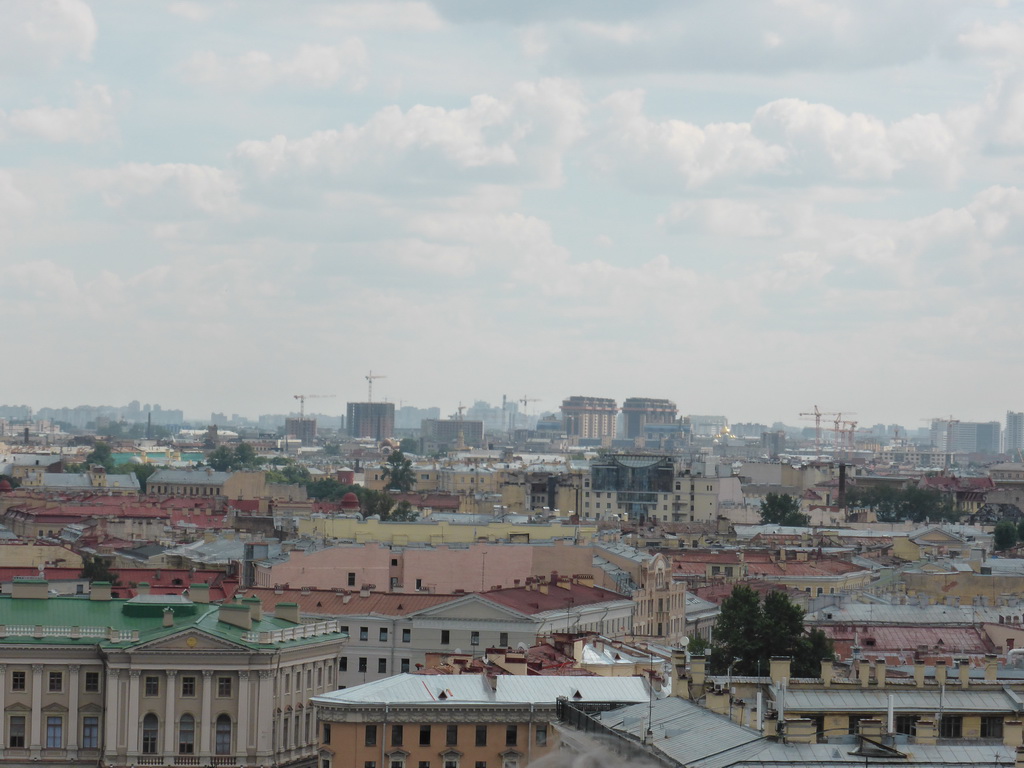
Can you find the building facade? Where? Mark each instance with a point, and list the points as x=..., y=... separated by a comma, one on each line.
x=589, y=418
x=375, y=420
x=641, y=412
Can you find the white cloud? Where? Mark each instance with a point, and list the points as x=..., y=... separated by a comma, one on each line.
x=311, y=65
x=192, y=11
x=1002, y=42
x=168, y=190
x=90, y=120
x=521, y=137
x=44, y=33
x=380, y=14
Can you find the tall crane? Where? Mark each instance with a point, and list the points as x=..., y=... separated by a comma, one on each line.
x=526, y=400
x=817, y=414
x=369, y=382
x=302, y=402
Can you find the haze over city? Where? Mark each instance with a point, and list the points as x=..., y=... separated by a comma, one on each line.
x=749, y=208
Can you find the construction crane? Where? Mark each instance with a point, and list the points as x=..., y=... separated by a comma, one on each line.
x=302, y=402
x=526, y=400
x=817, y=414
x=369, y=381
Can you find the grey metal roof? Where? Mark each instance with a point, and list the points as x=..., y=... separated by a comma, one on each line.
x=188, y=477
x=914, y=700
x=424, y=689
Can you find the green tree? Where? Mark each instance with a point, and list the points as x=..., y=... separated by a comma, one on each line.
x=1005, y=535
x=697, y=645
x=246, y=458
x=753, y=632
x=225, y=458
x=398, y=473
x=289, y=472
x=782, y=509
x=1020, y=529
x=101, y=455
x=409, y=445
x=403, y=513
x=376, y=503
x=221, y=458
x=95, y=568
x=332, y=449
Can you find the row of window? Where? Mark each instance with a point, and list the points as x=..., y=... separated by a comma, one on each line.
x=451, y=739
x=54, y=681
x=17, y=725
x=287, y=678
x=446, y=636
x=399, y=762
x=186, y=735
x=362, y=665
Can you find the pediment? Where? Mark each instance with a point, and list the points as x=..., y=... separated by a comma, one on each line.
x=187, y=641
x=54, y=707
x=17, y=708
x=472, y=607
x=91, y=708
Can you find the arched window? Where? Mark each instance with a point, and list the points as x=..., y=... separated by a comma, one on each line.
x=186, y=735
x=223, y=735
x=150, y=733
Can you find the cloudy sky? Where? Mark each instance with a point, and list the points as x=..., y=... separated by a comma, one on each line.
x=751, y=208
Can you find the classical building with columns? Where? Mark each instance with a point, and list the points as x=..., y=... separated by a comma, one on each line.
x=159, y=680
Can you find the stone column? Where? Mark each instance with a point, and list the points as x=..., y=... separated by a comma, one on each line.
x=242, y=728
x=133, y=714
x=35, y=743
x=74, y=673
x=170, y=745
x=111, y=718
x=205, y=722
x=264, y=715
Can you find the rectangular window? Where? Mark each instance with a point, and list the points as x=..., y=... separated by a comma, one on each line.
x=327, y=733
x=92, y=682
x=17, y=681
x=188, y=685
x=223, y=687
x=56, y=684
x=370, y=764
x=397, y=735
x=906, y=724
x=151, y=686
x=351, y=579
x=406, y=635
x=451, y=735
x=371, y=736
x=951, y=727
x=309, y=678
x=319, y=677
x=424, y=735
x=481, y=735
x=419, y=584
x=362, y=663
x=424, y=764
x=446, y=636
x=541, y=736
x=404, y=665
x=383, y=634
x=511, y=735
x=364, y=633
x=992, y=727
x=474, y=638
x=54, y=732
x=16, y=731
x=503, y=639
x=343, y=664
x=480, y=764
x=382, y=666
x=90, y=732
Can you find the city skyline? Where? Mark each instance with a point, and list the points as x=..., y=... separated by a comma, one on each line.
x=766, y=206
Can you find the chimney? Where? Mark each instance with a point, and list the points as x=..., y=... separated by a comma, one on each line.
x=235, y=614
x=698, y=667
x=142, y=587
x=346, y=598
x=168, y=617
x=964, y=668
x=36, y=589
x=919, y=673
x=826, y=672
x=99, y=590
x=991, y=668
x=925, y=731
x=1018, y=758
x=1013, y=732
x=871, y=728
x=288, y=612
x=255, y=607
x=880, y=672
x=199, y=593
x=779, y=668
x=940, y=671
x=800, y=730
x=680, y=681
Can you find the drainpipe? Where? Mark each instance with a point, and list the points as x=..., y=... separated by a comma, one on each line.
x=529, y=738
x=384, y=736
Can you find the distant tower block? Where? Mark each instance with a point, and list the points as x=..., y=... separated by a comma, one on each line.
x=589, y=417
x=376, y=420
x=642, y=411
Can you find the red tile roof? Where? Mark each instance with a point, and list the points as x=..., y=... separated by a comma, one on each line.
x=558, y=598
x=332, y=603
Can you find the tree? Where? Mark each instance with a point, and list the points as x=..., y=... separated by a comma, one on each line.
x=221, y=458
x=1005, y=535
x=101, y=455
x=753, y=632
x=224, y=458
x=697, y=645
x=398, y=473
x=96, y=569
x=403, y=513
x=376, y=503
x=1020, y=529
x=782, y=509
x=409, y=445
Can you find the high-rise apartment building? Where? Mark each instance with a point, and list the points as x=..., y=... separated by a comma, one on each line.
x=1014, y=435
x=376, y=420
x=639, y=412
x=589, y=418
x=965, y=436
x=301, y=429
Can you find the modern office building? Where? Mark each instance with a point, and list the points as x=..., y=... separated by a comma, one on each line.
x=1013, y=440
x=301, y=429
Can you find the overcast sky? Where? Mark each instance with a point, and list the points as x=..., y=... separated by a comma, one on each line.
x=750, y=208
